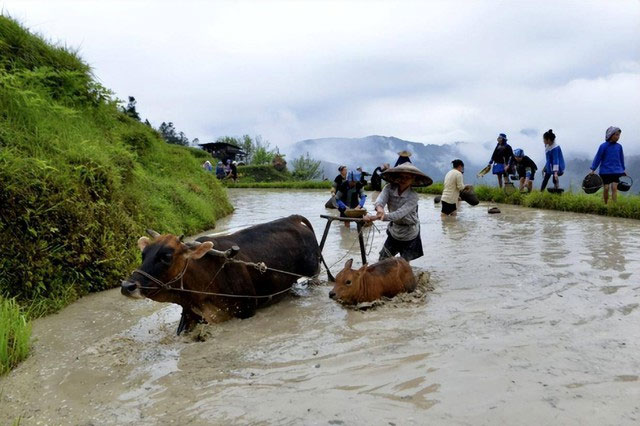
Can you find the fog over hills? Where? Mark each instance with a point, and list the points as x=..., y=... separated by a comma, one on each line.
x=435, y=160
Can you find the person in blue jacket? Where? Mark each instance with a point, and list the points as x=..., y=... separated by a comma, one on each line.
x=555, y=160
x=350, y=195
x=501, y=158
x=610, y=159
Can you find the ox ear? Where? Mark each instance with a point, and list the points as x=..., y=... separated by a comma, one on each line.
x=348, y=264
x=199, y=251
x=143, y=242
x=363, y=268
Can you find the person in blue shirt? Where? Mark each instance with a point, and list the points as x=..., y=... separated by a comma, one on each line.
x=350, y=194
x=501, y=158
x=220, y=174
x=555, y=160
x=610, y=159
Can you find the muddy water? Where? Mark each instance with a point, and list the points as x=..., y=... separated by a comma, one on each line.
x=534, y=319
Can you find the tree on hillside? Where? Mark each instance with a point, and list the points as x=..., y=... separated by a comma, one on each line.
x=171, y=135
x=262, y=153
x=306, y=168
x=247, y=146
x=130, y=109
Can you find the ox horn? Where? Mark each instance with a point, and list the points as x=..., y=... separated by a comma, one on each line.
x=152, y=233
x=227, y=254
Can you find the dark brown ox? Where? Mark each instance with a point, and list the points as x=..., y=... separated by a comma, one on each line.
x=386, y=278
x=175, y=272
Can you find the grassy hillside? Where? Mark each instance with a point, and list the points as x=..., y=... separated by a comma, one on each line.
x=80, y=180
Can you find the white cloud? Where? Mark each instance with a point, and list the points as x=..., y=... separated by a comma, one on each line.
x=433, y=72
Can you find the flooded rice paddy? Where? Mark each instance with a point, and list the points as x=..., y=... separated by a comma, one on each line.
x=534, y=320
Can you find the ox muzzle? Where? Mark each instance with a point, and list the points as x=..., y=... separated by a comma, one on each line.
x=130, y=289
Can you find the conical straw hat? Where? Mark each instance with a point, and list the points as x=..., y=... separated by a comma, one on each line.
x=419, y=178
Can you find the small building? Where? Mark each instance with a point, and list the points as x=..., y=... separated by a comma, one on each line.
x=225, y=151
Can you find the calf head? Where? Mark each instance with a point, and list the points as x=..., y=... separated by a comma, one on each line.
x=164, y=261
x=348, y=284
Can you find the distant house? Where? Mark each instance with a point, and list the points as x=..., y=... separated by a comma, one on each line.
x=225, y=151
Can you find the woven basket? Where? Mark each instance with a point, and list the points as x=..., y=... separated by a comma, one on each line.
x=469, y=196
x=625, y=185
x=355, y=213
x=591, y=183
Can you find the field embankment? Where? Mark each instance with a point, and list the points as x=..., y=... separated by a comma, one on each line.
x=80, y=180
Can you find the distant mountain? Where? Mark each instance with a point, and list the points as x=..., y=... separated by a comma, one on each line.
x=372, y=151
x=435, y=160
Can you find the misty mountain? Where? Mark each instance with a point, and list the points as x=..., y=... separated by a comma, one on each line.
x=435, y=160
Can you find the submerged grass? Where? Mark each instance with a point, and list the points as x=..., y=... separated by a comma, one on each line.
x=311, y=184
x=15, y=331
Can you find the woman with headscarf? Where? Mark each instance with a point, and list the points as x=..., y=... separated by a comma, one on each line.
x=610, y=159
x=500, y=159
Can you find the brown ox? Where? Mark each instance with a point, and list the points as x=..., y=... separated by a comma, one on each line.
x=177, y=272
x=386, y=278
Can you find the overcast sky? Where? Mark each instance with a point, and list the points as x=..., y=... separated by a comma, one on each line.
x=432, y=72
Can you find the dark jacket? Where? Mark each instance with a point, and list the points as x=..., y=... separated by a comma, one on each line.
x=502, y=154
x=522, y=166
x=376, y=180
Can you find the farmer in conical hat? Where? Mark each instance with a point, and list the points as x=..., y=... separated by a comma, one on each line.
x=403, y=157
x=403, y=232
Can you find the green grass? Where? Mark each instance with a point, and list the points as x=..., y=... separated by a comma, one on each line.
x=311, y=184
x=15, y=331
x=80, y=180
x=628, y=206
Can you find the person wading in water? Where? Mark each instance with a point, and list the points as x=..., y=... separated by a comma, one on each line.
x=403, y=232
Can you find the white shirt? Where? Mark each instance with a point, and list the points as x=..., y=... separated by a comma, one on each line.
x=453, y=184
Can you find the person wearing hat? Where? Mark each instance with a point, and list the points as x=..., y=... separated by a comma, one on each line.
x=220, y=174
x=501, y=158
x=403, y=157
x=524, y=167
x=403, y=232
x=453, y=184
x=610, y=159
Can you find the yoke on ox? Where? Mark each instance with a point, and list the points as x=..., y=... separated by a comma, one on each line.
x=216, y=284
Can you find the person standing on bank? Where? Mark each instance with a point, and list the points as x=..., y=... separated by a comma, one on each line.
x=501, y=158
x=525, y=169
x=555, y=160
x=403, y=232
x=610, y=159
x=453, y=184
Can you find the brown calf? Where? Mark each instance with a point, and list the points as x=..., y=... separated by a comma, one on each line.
x=386, y=278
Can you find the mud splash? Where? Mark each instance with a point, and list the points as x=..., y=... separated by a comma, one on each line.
x=533, y=320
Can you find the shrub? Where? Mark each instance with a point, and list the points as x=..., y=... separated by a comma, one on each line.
x=15, y=332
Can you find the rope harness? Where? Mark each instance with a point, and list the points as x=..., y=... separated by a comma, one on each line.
x=259, y=266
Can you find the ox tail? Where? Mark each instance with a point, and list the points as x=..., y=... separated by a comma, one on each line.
x=306, y=223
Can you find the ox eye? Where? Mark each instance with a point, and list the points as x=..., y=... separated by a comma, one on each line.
x=348, y=282
x=166, y=258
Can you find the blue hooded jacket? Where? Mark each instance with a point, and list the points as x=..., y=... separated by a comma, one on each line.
x=610, y=158
x=555, y=160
